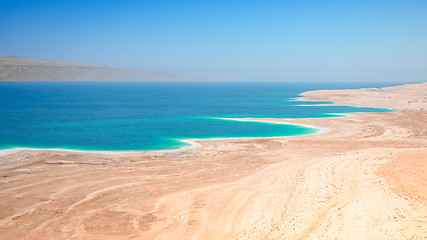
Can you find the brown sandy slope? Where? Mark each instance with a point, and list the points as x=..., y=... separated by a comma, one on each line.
x=362, y=178
x=407, y=174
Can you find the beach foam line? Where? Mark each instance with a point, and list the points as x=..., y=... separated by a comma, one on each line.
x=194, y=142
x=276, y=122
x=11, y=150
x=17, y=149
x=317, y=105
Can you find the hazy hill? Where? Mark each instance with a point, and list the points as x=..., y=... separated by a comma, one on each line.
x=26, y=69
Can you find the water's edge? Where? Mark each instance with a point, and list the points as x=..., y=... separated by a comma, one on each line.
x=185, y=143
x=190, y=143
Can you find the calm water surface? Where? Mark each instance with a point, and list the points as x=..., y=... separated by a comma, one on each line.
x=150, y=115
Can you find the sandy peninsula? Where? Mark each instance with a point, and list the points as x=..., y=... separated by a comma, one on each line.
x=363, y=177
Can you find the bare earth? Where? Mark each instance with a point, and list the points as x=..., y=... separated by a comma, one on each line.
x=363, y=177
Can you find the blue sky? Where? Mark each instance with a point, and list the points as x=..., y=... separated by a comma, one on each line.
x=227, y=40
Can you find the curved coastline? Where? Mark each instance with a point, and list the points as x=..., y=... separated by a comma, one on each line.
x=193, y=142
x=328, y=185
x=139, y=144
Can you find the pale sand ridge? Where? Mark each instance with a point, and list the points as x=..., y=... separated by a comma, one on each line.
x=362, y=178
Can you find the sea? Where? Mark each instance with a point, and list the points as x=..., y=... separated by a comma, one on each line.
x=140, y=116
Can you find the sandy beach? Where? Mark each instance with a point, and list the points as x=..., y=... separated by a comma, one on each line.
x=362, y=177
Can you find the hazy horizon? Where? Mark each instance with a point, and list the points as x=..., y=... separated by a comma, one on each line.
x=381, y=41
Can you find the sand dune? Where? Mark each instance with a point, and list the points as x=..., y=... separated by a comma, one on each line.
x=362, y=178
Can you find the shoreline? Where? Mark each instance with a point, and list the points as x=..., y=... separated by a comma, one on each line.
x=300, y=97
x=353, y=180
x=192, y=141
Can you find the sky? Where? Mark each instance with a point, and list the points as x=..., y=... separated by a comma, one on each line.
x=248, y=40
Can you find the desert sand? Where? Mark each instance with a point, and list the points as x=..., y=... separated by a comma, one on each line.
x=363, y=177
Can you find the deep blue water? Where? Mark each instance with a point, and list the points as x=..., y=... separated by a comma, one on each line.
x=151, y=115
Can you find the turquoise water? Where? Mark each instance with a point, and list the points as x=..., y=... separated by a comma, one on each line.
x=149, y=115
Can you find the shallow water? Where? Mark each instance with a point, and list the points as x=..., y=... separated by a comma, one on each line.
x=152, y=115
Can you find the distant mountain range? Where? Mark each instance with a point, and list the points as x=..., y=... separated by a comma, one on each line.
x=26, y=69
